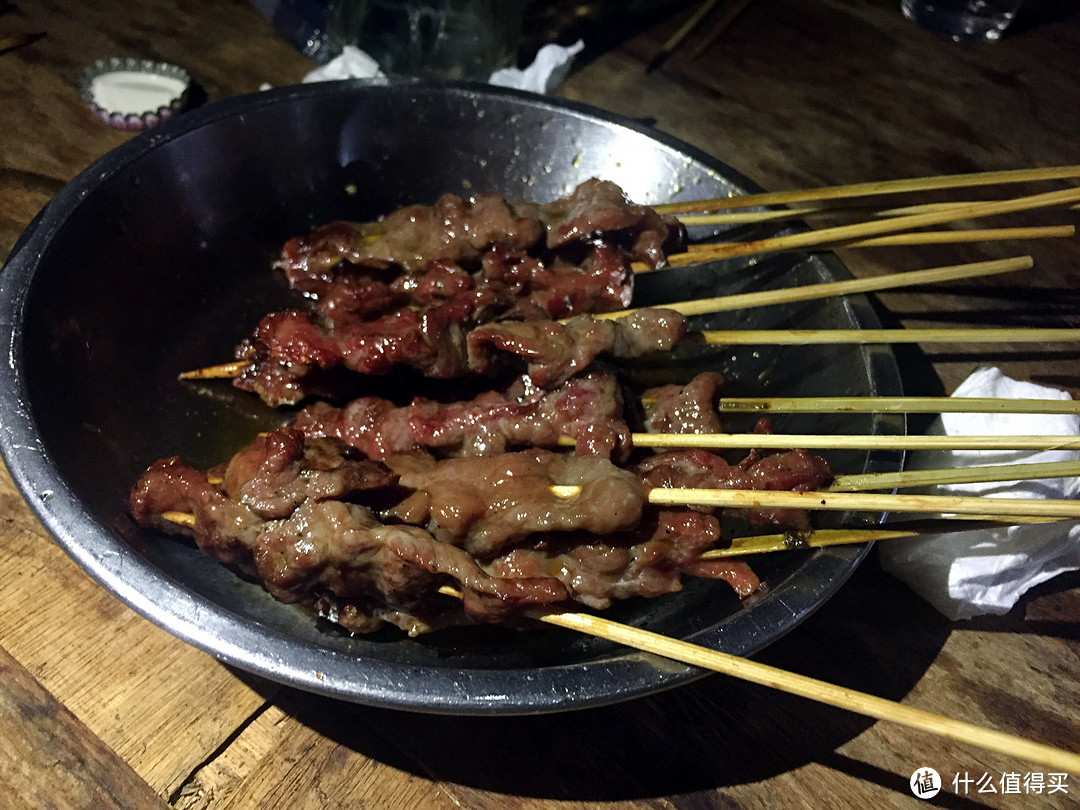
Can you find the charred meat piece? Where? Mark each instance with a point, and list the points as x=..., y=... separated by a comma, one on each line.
x=792, y=470
x=587, y=408
x=410, y=238
x=689, y=408
x=555, y=352
x=292, y=513
x=488, y=504
x=598, y=207
x=290, y=347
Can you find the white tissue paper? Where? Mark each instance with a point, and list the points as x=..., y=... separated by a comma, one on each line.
x=967, y=574
x=544, y=75
x=351, y=63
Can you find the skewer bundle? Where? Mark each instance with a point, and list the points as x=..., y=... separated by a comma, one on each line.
x=468, y=287
x=478, y=593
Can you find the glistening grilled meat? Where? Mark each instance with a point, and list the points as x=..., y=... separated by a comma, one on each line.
x=301, y=515
x=587, y=408
x=461, y=231
x=406, y=290
x=290, y=348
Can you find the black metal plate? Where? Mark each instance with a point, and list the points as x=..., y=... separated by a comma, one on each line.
x=156, y=259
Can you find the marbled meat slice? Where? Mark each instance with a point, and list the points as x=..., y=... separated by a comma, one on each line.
x=601, y=207
x=587, y=408
x=689, y=408
x=453, y=229
x=555, y=352
x=325, y=551
x=487, y=504
x=791, y=470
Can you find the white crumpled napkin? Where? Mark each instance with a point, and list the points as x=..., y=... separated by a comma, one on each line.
x=351, y=63
x=967, y=574
x=544, y=75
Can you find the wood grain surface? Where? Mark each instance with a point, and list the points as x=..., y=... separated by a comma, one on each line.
x=99, y=708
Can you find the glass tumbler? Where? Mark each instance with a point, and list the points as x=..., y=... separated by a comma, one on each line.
x=963, y=20
x=431, y=39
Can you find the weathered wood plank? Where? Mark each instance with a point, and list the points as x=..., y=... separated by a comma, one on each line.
x=162, y=705
x=49, y=759
x=792, y=94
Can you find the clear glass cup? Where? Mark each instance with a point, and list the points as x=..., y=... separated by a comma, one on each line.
x=963, y=20
x=432, y=39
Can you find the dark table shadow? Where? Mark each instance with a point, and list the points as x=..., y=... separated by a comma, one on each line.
x=874, y=636
x=1036, y=13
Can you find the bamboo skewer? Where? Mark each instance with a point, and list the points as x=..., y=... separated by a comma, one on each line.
x=919, y=238
x=865, y=502
x=810, y=441
x=222, y=371
x=800, y=337
x=951, y=237
x=877, y=227
x=811, y=688
x=813, y=211
x=911, y=404
x=810, y=292
x=826, y=538
x=795, y=541
x=988, y=473
x=874, y=188
x=981, y=506
x=179, y=518
x=894, y=404
x=969, y=520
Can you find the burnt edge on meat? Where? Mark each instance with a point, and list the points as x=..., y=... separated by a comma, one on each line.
x=369, y=542
x=362, y=512
x=587, y=409
x=290, y=349
x=408, y=289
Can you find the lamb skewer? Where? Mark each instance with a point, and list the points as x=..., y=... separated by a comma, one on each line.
x=289, y=347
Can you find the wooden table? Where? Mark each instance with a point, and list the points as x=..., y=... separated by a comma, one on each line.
x=99, y=708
